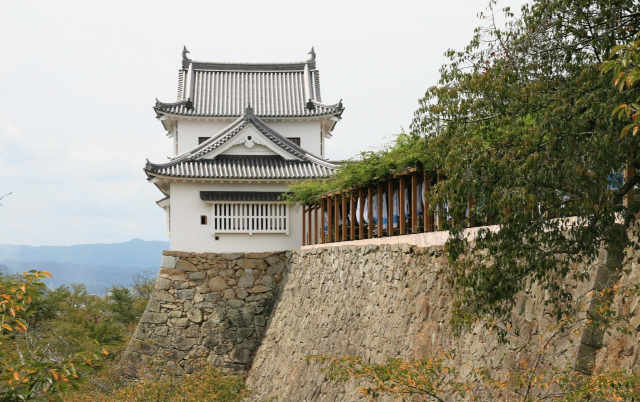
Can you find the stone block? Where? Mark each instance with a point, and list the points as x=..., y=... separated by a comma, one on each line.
x=249, y=263
x=246, y=280
x=259, y=289
x=179, y=322
x=273, y=260
x=242, y=356
x=163, y=283
x=167, y=261
x=212, y=297
x=142, y=347
x=203, y=288
x=195, y=315
x=217, y=284
x=215, y=318
x=267, y=281
x=194, y=276
x=235, y=303
x=153, y=305
x=275, y=269
x=192, y=331
x=185, y=265
x=232, y=256
x=174, y=274
x=229, y=294
x=184, y=343
x=185, y=294
x=241, y=293
x=154, y=318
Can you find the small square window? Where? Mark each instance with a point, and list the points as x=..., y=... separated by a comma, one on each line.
x=203, y=219
x=202, y=139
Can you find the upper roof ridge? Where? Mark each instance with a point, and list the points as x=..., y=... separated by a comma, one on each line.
x=274, y=90
x=248, y=66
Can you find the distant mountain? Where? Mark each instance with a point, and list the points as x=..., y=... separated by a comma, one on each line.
x=97, y=266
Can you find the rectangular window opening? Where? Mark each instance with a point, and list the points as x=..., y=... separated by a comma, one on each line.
x=250, y=217
x=203, y=219
x=202, y=139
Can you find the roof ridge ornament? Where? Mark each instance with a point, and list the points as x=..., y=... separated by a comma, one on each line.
x=312, y=54
x=185, y=59
x=248, y=110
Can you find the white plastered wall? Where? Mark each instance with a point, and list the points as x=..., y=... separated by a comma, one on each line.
x=187, y=234
x=308, y=131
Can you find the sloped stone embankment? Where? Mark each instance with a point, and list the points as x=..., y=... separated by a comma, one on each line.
x=206, y=307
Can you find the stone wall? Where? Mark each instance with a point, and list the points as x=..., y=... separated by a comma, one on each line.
x=270, y=311
x=390, y=301
x=206, y=307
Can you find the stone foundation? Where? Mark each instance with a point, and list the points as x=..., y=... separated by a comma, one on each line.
x=206, y=307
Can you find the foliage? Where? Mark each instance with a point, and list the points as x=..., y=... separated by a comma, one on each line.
x=539, y=368
x=432, y=378
x=29, y=367
x=435, y=380
x=625, y=65
x=521, y=123
x=53, y=340
x=407, y=151
x=204, y=384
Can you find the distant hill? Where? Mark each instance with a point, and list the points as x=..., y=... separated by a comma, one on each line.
x=97, y=266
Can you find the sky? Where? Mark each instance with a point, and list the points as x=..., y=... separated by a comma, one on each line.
x=78, y=80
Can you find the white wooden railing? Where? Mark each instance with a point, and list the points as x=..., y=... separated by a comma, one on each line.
x=250, y=217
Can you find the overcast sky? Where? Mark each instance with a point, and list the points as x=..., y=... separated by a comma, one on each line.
x=78, y=80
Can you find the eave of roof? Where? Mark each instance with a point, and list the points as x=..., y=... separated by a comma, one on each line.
x=241, y=167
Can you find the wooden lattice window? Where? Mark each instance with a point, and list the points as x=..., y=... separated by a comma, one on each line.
x=250, y=217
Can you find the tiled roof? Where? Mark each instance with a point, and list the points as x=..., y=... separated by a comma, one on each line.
x=242, y=167
x=226, y=89
x=230, y=131
x=191, y=164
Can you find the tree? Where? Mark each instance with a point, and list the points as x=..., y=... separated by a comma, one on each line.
x=520, y=122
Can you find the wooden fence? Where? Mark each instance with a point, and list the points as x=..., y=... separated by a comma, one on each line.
x=388, y=208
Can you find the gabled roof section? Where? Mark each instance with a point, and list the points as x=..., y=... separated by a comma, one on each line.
x=194, y=164
x=224, y=89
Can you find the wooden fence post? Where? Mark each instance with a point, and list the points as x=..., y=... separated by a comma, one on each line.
x=344, y=216
x=401, y=190
x=304, y=209
x=309, y=223
x=361, y=214
x=428, y=222
x=390, y=199
x=321, y=220
x=370, y=211
x=414, y=203
x=336, y=215
x=441, y=214
x=379, y=209
x=329, y=220
x=352, y=215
